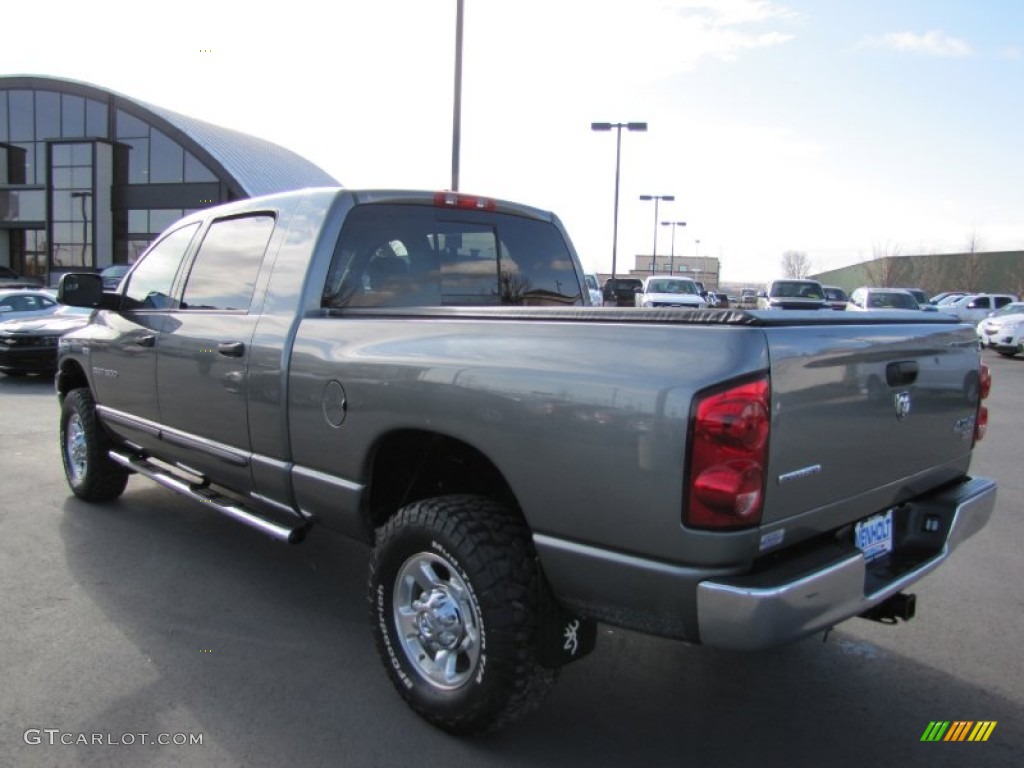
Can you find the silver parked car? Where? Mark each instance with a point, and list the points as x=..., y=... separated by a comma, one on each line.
x=20, y=303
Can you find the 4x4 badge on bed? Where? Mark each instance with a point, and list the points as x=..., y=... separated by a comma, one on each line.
x=901, y=401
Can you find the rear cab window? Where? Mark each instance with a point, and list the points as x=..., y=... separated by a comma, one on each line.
x=399, y=255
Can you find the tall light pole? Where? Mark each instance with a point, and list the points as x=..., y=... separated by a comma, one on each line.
x=457, y=116
x=656, y=199
x=673, y=224
x=618, y=156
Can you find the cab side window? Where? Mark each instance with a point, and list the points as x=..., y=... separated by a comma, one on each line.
x=149, y=285
x=223, y=275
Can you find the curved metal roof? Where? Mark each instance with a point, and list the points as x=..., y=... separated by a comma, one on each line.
x=260, y=167
x=251, y=166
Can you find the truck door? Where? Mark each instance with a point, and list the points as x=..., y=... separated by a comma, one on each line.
x=123, y=356
x=203, y=361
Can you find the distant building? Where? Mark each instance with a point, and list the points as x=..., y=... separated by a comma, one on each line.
x=974, y=272
x=706, y=269
x=89, y=177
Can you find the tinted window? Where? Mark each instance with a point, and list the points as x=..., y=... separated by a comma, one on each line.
x=408, y=255
x=224, y=273
x=149, y=286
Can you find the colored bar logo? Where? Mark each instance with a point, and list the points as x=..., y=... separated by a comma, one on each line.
x=959, y=730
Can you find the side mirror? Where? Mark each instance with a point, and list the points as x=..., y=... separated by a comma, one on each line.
x=81, y=289
x=638, y=290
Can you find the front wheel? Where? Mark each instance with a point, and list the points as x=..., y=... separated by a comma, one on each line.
x=454, y=601
x=91, y=473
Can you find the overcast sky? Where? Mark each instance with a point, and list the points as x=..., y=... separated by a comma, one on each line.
x=840, y=129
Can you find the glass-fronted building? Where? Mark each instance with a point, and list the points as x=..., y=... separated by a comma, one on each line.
x=89, y=177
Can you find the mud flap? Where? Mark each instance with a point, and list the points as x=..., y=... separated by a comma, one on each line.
x=564, y=637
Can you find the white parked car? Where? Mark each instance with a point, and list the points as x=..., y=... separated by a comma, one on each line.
x=594, y=288
x=976, y=306
x=996, y=326
x=878, y=299
x=667, y=291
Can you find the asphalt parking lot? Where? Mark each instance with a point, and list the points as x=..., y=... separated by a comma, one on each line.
x=154, y=616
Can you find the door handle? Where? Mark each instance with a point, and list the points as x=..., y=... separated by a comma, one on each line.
x=231, y=348
x=147, y=340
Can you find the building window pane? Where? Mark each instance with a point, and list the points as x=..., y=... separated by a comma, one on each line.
x=61, y=178
x=61, y=205
x=72, y=116
x=61, y=155
x=81, y=154
x=22, y=205
x=138, y=161
x=22, y=116
x=161, y=220
x=138, y=222
x=129, y=127
x=166, y=159
x=3, y=115
x=24, y=174
x=47, y=115
x=196, y=171
x=81, y=178
x=40, y=169
x=96, y=118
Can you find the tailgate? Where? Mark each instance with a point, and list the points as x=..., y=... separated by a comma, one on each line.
x=866, y=416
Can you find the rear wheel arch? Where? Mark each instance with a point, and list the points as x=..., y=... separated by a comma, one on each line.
x=412, y=465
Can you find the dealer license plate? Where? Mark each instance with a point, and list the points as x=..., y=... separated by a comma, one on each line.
x=873, y=536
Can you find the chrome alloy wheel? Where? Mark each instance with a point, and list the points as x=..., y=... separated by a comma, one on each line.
x=75, y=448
x=438, y=621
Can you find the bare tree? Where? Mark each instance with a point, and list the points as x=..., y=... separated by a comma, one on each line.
x=931, y=274
x=887, y=268
x=796, y=264
x=973, y=266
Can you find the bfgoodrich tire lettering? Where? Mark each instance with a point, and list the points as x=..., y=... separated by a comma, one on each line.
x=453, y=591
x=84, y=444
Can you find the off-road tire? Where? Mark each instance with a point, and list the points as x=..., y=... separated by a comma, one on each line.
x=90, y=472
x=475, y=557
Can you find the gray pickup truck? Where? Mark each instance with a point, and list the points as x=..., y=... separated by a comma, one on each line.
x=422, y=372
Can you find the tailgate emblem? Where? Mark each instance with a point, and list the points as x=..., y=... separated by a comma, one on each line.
x=901, y=401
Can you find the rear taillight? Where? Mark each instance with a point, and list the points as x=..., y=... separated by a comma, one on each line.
x=728, y=455
x=985, y=376
x=984, y=387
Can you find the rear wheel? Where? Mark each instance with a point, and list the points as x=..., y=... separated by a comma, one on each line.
x=454, y=591
x=90, y=472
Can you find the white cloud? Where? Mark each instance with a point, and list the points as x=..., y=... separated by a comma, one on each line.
x=932, y=43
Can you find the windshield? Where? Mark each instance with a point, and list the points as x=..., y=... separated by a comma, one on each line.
x=802, y=289
x=1016, y=308
x=672, y=286
x=835, y=294
x=891, y=300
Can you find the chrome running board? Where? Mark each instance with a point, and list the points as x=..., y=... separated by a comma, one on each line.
x=202, y=493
